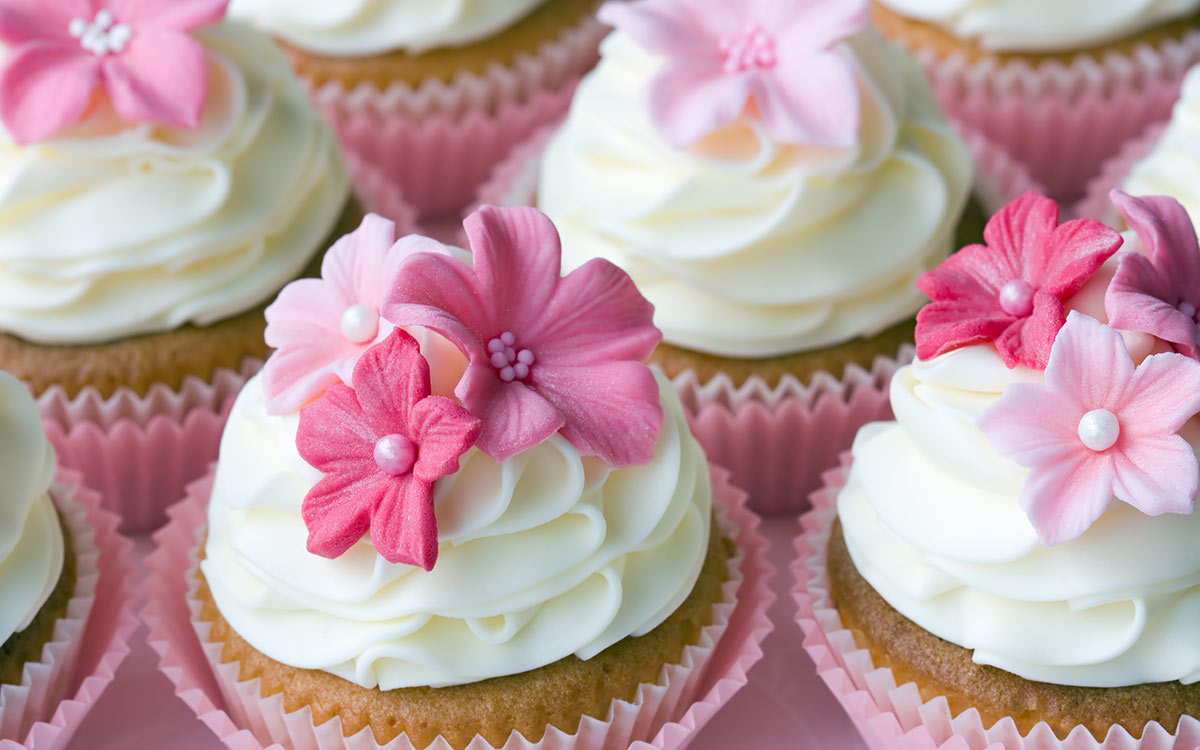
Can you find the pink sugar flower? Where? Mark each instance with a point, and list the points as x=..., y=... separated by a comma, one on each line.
x=1099, y=428
x=1011, y=290
x=545, y=352
x=382, y=444
x=320, y=327
x=1159, y=292
x=139, y=51
x=778, y=56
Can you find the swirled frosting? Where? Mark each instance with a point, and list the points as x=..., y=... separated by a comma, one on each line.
x=1039, y=26
x=1171, y=167
x=31, y=538
x=543, y=555
x=112, y=230
x=750, y=248
x=358, y=28
x=931, y=519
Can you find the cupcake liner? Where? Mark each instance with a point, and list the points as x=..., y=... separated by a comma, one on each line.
x=139, y=451
x=1046, y=116
x=663, y=715
x=89, y=642
x=892, y=717
x=1096, y=204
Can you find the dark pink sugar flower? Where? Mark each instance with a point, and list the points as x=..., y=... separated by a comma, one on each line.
x=1011, y=291
x=722, y=56
x=1099, y=427
x=546, y=353
x=138, y=51
x=1159, y=292
x=381, y=444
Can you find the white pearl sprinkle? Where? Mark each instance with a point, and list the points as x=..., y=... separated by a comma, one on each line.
x=495, y=345
x=1099, y=429
x=360, y=323
x=1187, y=308
x=508, y=374
x=522, y=370
x=525, y=357
x=508, y=338
x=101, y=37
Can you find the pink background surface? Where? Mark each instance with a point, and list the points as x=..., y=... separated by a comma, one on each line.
x=785, y=705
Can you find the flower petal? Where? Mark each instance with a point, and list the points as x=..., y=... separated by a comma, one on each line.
x=333, y=435
x=438, y=292
x=1071, y=256
x=46, y=87
x=1064, y=496
x=303, y=327
x=1089, y=364
x=1139, y=298
x=812, y=102
x=1030, y=422
x=976, y=272
x=1163, y=394
x=664, y=27
x=337, y=512
x=389, y=379
x=1157, y=474
x=518, y=262
x=689, y=101
x=161, y=77
x=23, y=21
x=1169, y=237
x=443, y=431
x=403, y=526
x=947, y=325
x=1020, y=233
x=515, y=418
x=612, y=409
x=175, y=15
x=814, y=24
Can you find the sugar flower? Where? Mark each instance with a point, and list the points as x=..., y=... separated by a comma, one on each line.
x=1159, y=292
x=320, y=327
x=1011, y=290
x=545, y=352
x=1099, y=428
x=779, y=57
x=381, y=444
x=138, y=51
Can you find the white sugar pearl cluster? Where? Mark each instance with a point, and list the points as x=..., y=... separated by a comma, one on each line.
x=511, y=363
x=102, y=36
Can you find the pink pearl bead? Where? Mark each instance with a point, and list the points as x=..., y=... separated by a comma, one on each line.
x=395, y=454
x=1016, y=298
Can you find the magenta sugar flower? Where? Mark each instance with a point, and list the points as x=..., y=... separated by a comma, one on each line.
x=778, y=56
x=381, y=445
x=138, y=51
x=546, y=353
x=1099, y=427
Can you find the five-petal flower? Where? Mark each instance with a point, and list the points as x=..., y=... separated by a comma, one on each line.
x=545, y=352
x=1099, y=428
x=1159, y=292
x=139, y=51
x=320, y=327
x=381, y=445
x=779, y=56
x=1011, y=291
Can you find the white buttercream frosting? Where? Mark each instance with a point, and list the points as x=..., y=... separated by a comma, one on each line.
x=541, y=556
x=751, y=248
x=358, y=28
x=931, y=519
x=112, y=230
x=1043, y=25
x=31, y=538
x=1173, y=166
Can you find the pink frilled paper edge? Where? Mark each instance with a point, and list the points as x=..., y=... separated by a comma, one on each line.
x=89, y=643
x=777, y=441
x=1046, y=116
x=138, y=451
x=1096, y=203
x=892, y=717
x=744, y=621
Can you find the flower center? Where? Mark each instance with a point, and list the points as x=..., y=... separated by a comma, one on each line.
x=360, y=323
x=102, y=36
x=1188, y=309
x=1099, y=429
x=395, y=454
x=753, y=49
x=511, y=363
x=1016, y=298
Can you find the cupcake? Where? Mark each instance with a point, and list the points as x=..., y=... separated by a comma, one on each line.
x=486, y=523
x=773, y=178
x=1011, y=562
x=61, y=579
x=1036, y=80
x=152, y=211
x=429, y=96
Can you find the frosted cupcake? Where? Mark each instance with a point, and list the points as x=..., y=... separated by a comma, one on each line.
x=1036, y=78
x=542, y=554
x=150, y=213
x=1016, y=546
x=428, y=96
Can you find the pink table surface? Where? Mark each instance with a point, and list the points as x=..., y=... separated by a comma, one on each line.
x=785, y=705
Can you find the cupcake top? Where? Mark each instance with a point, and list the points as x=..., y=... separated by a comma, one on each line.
x=1033, y=501
x=1170, y=168
x=359, y=28
x=31, y=538
x=772, y=175
x=140, y=196
x=513, y=488
x=1036, y=26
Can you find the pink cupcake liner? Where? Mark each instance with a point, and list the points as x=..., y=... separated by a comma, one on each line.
x=1096, y=204
x=1047, y=116
x=663, y=715
x=138, y=451
x=892, y=717
x=89, y=642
